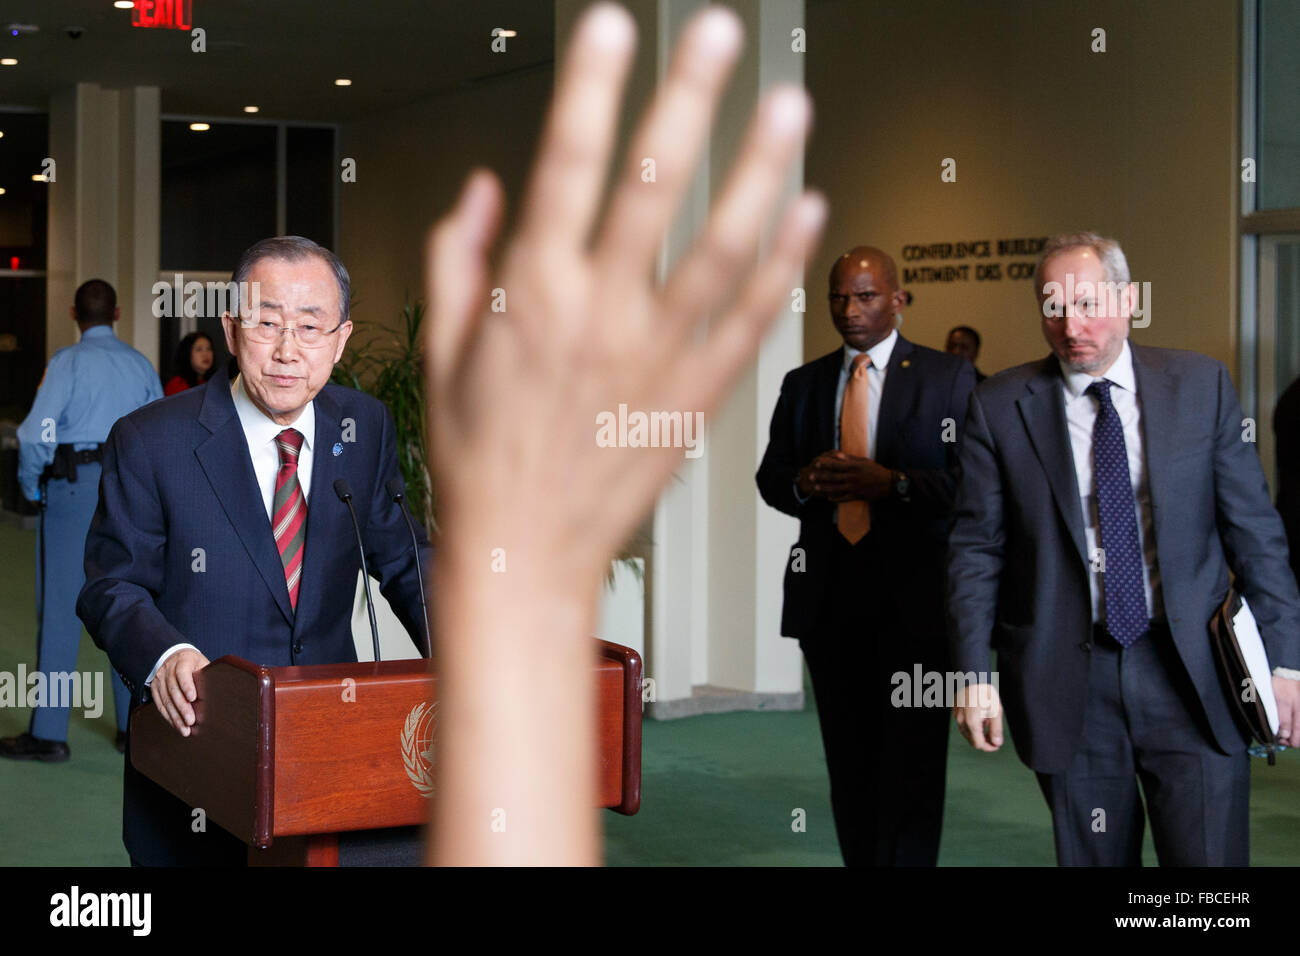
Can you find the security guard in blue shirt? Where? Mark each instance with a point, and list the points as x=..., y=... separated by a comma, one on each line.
x=87, y=387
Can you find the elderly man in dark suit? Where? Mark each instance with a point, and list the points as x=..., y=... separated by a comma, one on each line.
x=219, y=531
x=1107, y=492
x=863, y=451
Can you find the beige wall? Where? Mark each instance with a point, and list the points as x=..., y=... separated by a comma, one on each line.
x=1138, y=142
x=411, y=163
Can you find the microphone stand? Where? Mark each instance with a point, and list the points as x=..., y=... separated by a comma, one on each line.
x=344, y=491
x=394, y=488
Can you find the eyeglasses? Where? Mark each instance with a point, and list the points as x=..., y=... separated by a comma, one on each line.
x=268, y=333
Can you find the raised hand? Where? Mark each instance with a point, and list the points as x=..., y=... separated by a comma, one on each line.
x=514, y=398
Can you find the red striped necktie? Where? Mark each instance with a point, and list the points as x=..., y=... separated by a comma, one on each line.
x=289, y=511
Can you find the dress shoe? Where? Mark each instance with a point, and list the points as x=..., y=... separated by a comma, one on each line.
x=27, y=747
x=120, y=744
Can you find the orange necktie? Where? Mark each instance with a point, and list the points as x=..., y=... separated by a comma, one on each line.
x=853, y=518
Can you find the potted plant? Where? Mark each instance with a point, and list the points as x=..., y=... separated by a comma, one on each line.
x=393, y=372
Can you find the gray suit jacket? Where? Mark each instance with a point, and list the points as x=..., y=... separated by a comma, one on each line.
x=1017, y=568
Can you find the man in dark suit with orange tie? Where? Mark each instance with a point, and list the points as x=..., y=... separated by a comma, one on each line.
x=863, y=451
x=219, y=530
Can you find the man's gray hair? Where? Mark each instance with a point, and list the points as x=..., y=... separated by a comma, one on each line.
x=1107, y=250
x=292, y=249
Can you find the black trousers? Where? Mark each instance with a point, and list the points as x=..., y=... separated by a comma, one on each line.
x=887, y=764
x=1144, y=725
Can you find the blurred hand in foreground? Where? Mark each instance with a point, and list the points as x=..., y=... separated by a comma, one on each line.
x=532, y=508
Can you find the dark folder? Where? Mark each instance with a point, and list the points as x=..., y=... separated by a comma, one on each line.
x=1243, y=665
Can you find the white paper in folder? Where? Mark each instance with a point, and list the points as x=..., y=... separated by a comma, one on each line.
x=1252, y=649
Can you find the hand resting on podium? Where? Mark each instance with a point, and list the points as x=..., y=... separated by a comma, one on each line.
x=173, y=688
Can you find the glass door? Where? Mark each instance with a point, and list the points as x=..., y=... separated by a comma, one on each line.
x=1279, y=335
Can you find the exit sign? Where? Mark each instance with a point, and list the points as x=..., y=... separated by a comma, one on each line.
x=163, y=14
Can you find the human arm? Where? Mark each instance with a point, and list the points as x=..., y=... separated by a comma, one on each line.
x=125, y=548
x=785, y=482
x=975, y=561
x=1254, y=542
x=389, y=554
x=518, y=468
x=935, y=489
x=38, y=434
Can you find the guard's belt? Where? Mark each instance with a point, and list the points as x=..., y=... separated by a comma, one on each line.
x=66, y=460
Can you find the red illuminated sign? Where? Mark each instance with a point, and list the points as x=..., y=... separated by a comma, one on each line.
x=163, y=14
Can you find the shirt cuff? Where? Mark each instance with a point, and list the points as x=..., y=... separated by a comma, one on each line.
x=166, y=654
x=798, y=497
x=1286, y=672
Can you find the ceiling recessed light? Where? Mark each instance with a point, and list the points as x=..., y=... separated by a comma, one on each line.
x=251, y=109
x=200, y=127
x=2, y=134
x=39, y=178
x=342, y=82
x=503, y=32
x=123, y=4
x=2, y=192
x=8, y=61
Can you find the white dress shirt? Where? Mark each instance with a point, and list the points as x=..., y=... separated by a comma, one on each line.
x=1081, y=415
x=260, y=433
x=880, y=353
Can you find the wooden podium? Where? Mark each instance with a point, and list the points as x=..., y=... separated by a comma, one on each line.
x=287, y=758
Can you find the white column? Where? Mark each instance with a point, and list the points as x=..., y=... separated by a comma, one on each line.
x=74, y=207
x=104, y=207
x=748, y=541
x=139, y=228
x=714, y=581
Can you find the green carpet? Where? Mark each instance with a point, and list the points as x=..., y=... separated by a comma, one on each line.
x=67, y=814
x=716, y=790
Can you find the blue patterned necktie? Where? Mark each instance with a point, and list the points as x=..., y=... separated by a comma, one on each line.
x=1126, y=603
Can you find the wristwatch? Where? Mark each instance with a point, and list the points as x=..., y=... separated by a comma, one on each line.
x=902, y=485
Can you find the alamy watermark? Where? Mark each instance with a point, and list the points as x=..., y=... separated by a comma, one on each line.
x=941, y=688
x=193, y=299
x=53, y=689
x=1091, y=299
x=638, y=429
x=127, y=910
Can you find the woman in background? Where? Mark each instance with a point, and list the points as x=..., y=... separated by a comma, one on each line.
x=193, y=363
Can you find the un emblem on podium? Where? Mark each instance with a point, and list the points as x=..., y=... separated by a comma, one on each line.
x=419, y=747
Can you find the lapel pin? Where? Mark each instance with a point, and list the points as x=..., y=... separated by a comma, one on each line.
x=905, y=363
x=338, y=449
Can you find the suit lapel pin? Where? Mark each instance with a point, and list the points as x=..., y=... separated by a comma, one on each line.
x=905, y=363
x=338, y=449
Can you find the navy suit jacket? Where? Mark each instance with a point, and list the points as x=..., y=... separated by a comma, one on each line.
x=918, y=427
x=180, y=550
x=1017, y=568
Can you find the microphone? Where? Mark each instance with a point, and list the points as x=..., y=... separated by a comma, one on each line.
x=394, y=488
x=344, y=491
